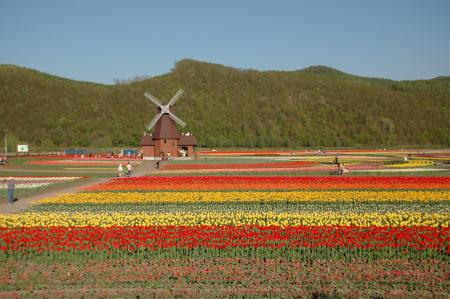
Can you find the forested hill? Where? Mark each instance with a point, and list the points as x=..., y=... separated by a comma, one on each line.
x=224, y=106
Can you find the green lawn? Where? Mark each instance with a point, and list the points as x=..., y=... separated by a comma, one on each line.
x=19, y=166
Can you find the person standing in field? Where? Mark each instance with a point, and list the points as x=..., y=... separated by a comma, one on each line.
x=120, y=170
x=129, y=169
x=344, y=170
x=11, y=186
x=339, y=169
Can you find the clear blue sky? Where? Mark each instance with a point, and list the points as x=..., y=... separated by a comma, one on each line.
x=101, y=41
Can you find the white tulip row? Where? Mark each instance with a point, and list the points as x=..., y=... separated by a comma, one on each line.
x=28, y=185
x=47, y=178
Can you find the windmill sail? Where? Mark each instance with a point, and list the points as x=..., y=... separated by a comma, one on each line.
x=176, y=119
x=153, y=121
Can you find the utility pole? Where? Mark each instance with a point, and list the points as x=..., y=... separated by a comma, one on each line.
x=6, y=143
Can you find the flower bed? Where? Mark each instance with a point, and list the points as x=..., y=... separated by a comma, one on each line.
x=209, y=234
x=271, y=183
x=79, y=162
x=290, y=164
x=185, y=274
x=394, y=219
x=250, y=196
x=221, y=237
x=411, y=164
x=290, y=153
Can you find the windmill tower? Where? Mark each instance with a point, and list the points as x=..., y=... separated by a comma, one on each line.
x=165, y=140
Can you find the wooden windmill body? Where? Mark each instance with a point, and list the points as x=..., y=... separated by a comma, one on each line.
x=166, y=141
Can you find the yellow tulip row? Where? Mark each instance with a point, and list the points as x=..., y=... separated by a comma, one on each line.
x=217, y=218
x=411, y=164
x=440, y=158
x=272, y=196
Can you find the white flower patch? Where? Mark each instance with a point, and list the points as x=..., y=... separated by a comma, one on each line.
x=48, y=178
x=28, y=185
x=35, y=182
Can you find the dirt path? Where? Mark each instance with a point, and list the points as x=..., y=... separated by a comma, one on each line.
x=147, y=167
x=24, y=202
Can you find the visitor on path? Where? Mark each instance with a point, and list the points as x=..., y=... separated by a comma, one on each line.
x=120, y=170
x=344, y=170
x=339, y=168
x=129, y=169
x=11, y=186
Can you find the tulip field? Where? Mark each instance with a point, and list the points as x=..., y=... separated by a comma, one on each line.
x=233, y=236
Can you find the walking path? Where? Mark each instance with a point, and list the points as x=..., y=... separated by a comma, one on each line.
x=147, y=167
x=22, y=203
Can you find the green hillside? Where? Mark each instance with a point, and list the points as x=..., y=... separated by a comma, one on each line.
x=224, y=106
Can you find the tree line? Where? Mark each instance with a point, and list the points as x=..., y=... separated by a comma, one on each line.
x=228, y=107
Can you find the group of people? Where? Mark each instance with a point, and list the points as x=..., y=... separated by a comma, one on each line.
x=128, y=170
x=342, y=170
x=165, y=156
x=138, y=155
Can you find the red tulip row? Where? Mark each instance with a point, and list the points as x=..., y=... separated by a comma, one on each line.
x=271, y=183
x=291, y=164
x=87, y=162
x=285, y=152
x=222, y=237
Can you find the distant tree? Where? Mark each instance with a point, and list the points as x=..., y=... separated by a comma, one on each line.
x=12, y=142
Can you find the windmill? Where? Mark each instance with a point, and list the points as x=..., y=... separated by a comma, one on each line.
x=166, y=141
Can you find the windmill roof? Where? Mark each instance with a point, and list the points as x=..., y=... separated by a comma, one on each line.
x=187, y=140
x=165, y=128
x=147, y=140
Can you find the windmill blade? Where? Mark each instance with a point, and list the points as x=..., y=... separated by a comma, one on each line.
x=176, y=119
x=153, y=99
x=153, y=122
x=175, y=98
